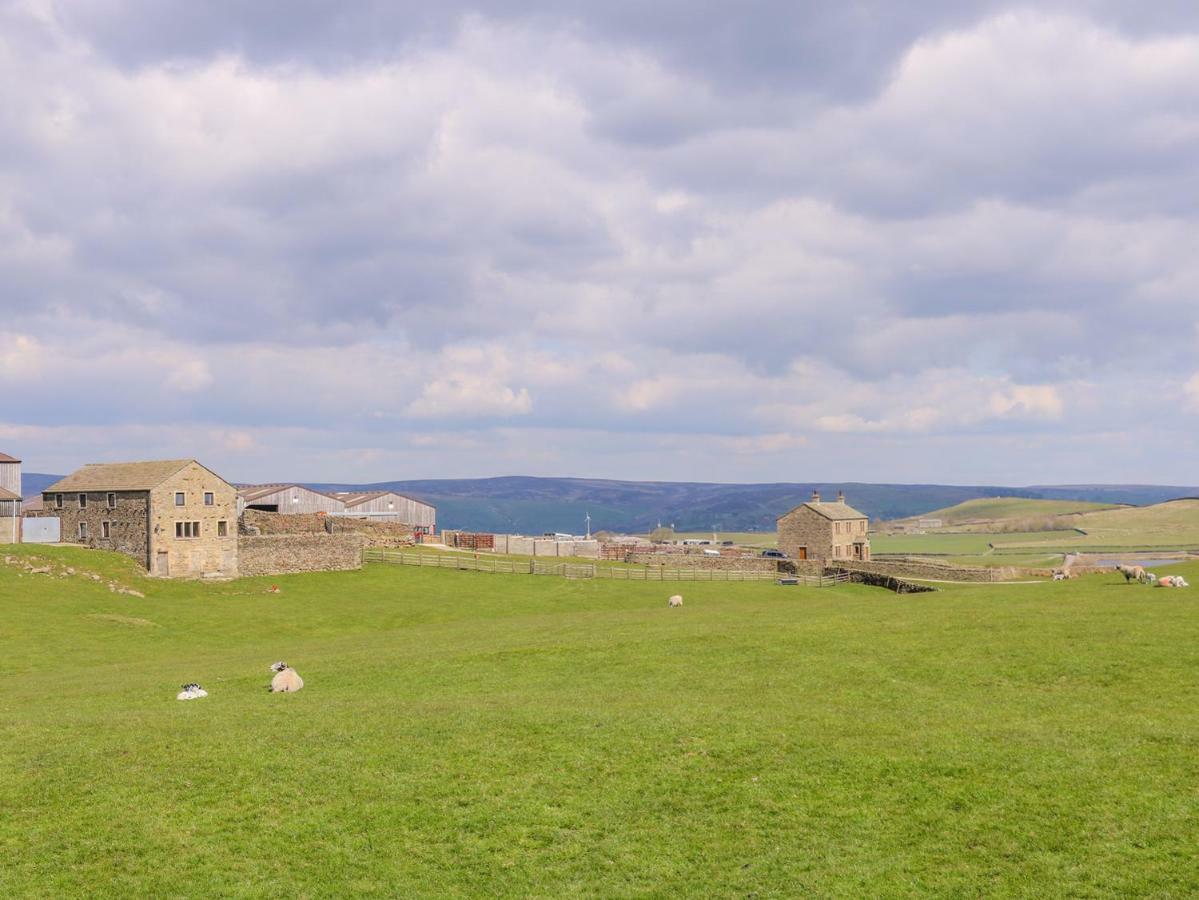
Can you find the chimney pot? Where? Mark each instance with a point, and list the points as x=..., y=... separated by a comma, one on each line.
x=840, y=496
x=815, y=496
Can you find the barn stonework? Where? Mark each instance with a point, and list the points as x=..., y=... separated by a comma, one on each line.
x=176, y=517
x=824, y=531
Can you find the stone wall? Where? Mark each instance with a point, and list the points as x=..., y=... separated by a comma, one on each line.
x=281, y=554
x=890, y=582
x=923, y=569
x=375, y=533
x=699, y=561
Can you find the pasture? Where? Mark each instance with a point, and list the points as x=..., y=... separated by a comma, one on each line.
x=464, y=734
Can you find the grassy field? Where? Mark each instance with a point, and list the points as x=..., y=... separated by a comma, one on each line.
x=993, y=508
x=465, y=735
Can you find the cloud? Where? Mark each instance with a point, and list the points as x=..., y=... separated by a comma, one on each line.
x=744, y=240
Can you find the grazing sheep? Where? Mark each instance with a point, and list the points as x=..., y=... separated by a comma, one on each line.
x=191, y=691
x=287, y=680
x=674, y=601
x=1060, y=576
x=1131, y=572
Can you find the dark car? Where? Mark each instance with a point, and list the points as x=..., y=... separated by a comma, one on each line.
x=774, y=554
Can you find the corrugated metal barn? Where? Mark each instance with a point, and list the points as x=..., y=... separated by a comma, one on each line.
x=290, y=499
x=10, y=500
x=389, y=506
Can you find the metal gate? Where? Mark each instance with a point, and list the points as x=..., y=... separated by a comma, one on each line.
x=40, y=530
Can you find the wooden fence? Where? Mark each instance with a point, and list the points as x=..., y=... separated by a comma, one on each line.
x=585, y=570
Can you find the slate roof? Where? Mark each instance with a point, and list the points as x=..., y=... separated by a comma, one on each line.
x=836, y=510
x=129, y=476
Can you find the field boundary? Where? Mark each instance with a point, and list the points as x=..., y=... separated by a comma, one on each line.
x=585, y=570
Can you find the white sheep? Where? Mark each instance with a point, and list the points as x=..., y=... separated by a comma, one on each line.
x=287, y=680
x=676, y=600
x=191, y=691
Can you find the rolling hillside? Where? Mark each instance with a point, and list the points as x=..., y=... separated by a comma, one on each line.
x=1000, y=508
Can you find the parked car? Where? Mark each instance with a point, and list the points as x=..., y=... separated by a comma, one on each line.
x=774, y=554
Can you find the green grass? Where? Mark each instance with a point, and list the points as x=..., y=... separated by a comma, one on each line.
x=761, y=539
x=470, y=735
x=996, y=508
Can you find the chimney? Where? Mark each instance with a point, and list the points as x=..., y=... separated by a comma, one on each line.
x=840, y=496
x=815, y=496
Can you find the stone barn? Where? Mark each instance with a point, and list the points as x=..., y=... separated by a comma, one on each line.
x=176, y=517
x=824, y=531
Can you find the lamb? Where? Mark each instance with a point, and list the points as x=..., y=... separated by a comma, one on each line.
x=676, y=600
x=287, y=680
x=191, y=691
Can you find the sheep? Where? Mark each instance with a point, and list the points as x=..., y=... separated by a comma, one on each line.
x=191, y=691
x=287, y=680
x=1172, y=581
x=676, y=600
x=1060, y=576
x=1131, y=572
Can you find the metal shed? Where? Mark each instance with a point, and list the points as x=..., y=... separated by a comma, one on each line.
x=389, y=506
x=290, y=499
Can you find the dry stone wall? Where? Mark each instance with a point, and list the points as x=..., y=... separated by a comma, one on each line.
x=374, y=533
x=281, y=554
x=930, y=570
x=699, y=561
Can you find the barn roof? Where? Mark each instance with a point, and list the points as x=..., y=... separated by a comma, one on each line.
x=252, y=492
x=357, y=499
x=126, y=476
x=8, y=495
x=4, y=457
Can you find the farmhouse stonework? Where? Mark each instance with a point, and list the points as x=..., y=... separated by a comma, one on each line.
x=175, y=517
x=825, y=531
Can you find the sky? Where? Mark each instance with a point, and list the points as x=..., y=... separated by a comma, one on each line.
x=757, y=241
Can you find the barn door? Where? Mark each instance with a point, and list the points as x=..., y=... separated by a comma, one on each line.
x=162, y=565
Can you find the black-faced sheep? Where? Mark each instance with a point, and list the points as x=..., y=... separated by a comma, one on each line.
x=676, y=600
x=287, y=680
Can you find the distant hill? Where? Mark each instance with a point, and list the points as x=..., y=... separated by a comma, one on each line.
x=533, y=505
x=36, y=482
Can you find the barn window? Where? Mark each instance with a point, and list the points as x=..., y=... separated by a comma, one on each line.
x=187, y=529
x=106, y=530
x=83, y=531
x=112, y=500
x=58, y=501
x=209, y=499
x=222, y=529
x=180, y=498
x=83, y=501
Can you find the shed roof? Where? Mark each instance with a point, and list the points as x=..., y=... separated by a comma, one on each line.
x=8, y=495
x=127, y=476
x=252, y=492
x=357, y=499
x=835, y=510
x=4, y=457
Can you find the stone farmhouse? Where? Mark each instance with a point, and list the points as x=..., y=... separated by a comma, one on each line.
x=824, y=531
x=10, y=499
x=176, y=517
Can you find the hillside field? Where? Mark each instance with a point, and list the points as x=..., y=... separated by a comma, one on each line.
x=467, y=735
x=993, y=508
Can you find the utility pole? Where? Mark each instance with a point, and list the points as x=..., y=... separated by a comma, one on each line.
x=589, y=526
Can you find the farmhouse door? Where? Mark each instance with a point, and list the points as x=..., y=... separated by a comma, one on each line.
x=162, y=565
x=803, y=553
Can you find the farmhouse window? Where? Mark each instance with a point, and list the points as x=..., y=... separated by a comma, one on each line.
x=222, y=529
x=209, y=499
x=112, y=501
x=180, y=498
x=83, y=531
x=58, y=501
x=106, y=530
x=83, y=501
x=187, y=529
